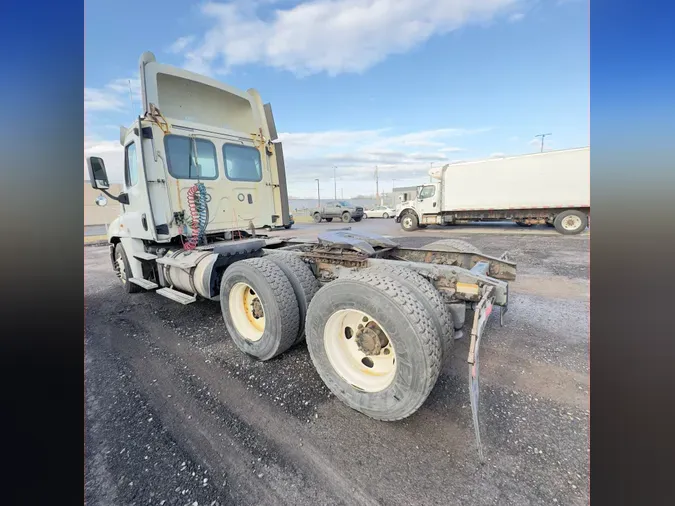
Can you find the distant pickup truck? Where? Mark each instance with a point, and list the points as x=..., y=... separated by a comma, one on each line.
x=340, y=209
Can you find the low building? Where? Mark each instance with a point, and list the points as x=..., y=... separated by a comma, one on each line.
x=100, y=215
x=406, y=192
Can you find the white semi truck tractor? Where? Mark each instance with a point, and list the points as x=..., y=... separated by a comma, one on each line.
x=203, y=175
x=550, y=188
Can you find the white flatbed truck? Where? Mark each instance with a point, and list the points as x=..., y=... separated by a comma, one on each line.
x=203, y=175
x=550, y=188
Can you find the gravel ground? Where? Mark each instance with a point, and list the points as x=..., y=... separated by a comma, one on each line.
x=176, y=415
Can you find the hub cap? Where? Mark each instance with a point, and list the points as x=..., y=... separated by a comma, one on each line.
x=571, y=222
x=247, y=312
x=407, y=222
x=360, y=350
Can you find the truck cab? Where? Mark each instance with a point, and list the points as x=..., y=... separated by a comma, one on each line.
x=196, y=130
x=411, y=213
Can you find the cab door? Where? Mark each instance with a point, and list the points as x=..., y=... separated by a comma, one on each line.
x=427, y=199
x=136, y=216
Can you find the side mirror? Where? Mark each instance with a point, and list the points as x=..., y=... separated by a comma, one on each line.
x=101, y=201
x=97, y=173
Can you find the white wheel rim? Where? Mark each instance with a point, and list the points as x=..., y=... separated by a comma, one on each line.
x=247, y=312
x=122, y=269
x=571, y=222
x=407, y=222
x=360, y=360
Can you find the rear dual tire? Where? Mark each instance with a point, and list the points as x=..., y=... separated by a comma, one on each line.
x=386, y=378
x=570, y=222
x=259, y=307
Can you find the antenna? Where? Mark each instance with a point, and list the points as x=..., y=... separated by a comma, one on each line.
x=131, y=96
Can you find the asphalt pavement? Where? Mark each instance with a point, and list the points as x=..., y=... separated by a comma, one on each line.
x=176, y=415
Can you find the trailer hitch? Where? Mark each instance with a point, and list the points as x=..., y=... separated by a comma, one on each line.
x=481, y=313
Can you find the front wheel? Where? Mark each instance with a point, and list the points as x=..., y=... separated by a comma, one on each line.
x=409, y=222
x=570, y=222
x=123, y=269
x=358, y=219
x=374, y=344
x=346, y=217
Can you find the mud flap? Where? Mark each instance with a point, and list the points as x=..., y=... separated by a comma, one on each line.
x=481, y=315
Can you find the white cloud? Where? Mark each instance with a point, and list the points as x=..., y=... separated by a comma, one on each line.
x=406, y=157
x=112, y=153
x=497, y=155
x=330, y=36
x=114, y=96
x=518, y=16
x=180, y=44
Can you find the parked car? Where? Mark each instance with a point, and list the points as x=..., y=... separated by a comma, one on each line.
x=380, y=212
x=340, y=209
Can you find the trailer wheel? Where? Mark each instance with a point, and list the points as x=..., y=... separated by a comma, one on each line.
x=374, y=344
x=305, y=285
x=259, y=307
x=123, y=269
x=570, y=222
x=409, y=222
x=317, y=217
x=346, y=217
x=454, y=245
x=429, y=296
x=329, y=220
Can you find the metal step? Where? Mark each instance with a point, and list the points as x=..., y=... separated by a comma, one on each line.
x=143, y=283
x=145, y=256
x=172, y=294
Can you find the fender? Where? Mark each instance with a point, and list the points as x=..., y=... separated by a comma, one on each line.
x=117, y=230
x=405, y=210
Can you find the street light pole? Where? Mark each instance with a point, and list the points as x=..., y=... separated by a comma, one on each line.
x=318, y=193
x=543, y=136
x=393, y=195
x=335, y=181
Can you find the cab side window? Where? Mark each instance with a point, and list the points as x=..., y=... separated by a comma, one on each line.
x=130, y=165
x=427, y=191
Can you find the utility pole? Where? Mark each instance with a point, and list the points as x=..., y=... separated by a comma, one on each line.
x=542, y=140
x=335, y=181
x=342, y=193
x=393, y=195
x=318, y=193
x=377, y=185
x=431, y=167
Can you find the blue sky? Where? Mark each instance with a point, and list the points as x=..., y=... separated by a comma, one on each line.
x=356, y=83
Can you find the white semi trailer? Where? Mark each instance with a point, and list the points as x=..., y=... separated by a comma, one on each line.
x=203, y=175
x=542, y=188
